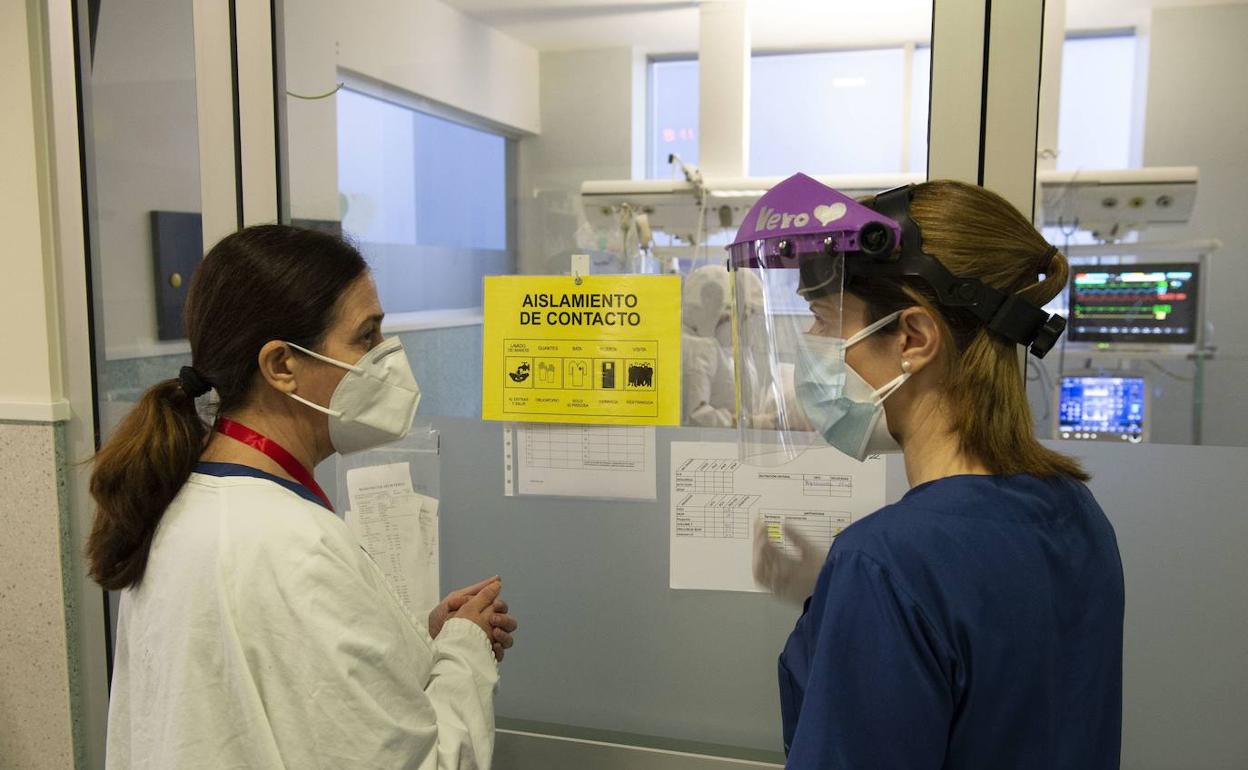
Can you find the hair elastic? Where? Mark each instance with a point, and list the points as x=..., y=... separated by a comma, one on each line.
x=1046, y=260
x=192, y=382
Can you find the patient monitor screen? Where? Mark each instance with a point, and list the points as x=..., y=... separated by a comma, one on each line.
x=1151, y=303
x=1102, y=409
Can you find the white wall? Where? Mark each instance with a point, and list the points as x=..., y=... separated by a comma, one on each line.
x=30, y=377
x=592, y=117
x=1197, y=114
x=428, y=48
x=422, y=47
x=36, y=728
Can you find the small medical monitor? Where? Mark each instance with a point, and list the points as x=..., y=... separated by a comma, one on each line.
x=1153, y=303
x=1100, y=408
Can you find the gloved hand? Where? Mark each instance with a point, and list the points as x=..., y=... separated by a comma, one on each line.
x=791, y=578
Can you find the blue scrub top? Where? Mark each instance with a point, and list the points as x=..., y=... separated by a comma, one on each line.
x=977, y=623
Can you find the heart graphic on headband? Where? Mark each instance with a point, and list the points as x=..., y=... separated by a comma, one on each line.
x=826, y=214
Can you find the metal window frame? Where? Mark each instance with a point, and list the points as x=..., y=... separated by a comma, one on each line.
x=987, y=60
x=238, y=76
x=68, y=51
x=239, y=117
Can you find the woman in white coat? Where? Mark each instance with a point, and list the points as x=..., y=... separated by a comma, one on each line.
x=255, y=632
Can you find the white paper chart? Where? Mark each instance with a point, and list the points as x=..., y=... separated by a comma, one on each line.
x=586, y=461
x=398, y=527
x=716, y=501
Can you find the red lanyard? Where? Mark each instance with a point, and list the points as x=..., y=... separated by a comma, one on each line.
x=275, y=452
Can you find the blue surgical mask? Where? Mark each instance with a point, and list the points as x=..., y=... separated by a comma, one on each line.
x=838, y=402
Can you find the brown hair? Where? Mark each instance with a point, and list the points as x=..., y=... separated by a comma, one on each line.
x=269, y=282
x=976, y=233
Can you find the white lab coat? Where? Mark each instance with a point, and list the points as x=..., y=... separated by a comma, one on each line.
x=263, y=636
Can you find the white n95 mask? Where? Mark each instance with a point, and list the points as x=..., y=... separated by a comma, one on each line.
x=838, y=402
x=375, y=402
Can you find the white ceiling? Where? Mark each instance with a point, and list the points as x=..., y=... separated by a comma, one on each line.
x=671, y=26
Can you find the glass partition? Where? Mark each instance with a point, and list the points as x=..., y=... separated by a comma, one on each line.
x=426, y=199
x=141, y=152
x=451, y=141
x=143, y=161
x=456, y=146
x=889, y=84
x=1154, y=299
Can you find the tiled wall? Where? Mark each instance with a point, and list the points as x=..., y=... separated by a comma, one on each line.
x=35, y=671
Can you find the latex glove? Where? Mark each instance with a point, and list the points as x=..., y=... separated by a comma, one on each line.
x=791, y=578
x=503, y=623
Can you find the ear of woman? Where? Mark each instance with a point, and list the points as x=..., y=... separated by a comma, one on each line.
x=920, y=341
x=279, y=366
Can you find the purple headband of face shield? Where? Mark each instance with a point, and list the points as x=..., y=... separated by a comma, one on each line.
x=803, y=216
x=800, y=222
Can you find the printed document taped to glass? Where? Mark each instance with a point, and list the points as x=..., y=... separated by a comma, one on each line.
x=716, y=500
x=398, y=527
x=605, y=351
x=598, y=461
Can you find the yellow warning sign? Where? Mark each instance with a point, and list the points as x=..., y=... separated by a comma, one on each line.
x=605, y=351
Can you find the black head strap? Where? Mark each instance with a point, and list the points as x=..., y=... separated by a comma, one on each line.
x=1005, y=315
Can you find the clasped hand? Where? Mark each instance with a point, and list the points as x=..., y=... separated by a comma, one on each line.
x=481, y=604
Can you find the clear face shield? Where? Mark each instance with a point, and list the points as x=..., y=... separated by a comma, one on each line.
x=776, y=333
x=791, y=260
x=788, y=267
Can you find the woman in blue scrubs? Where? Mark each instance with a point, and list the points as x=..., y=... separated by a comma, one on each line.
x=977, y=622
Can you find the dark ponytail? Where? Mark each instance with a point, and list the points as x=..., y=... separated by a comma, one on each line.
x=151, y=453
x=269, y=282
